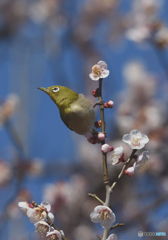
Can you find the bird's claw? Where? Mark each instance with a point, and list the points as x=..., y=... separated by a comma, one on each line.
x=100, y=103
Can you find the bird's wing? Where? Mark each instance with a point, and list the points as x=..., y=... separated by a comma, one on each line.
x=79, y=116
x=68, y=116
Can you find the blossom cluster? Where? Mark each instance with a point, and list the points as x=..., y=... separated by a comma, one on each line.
x=135, y=140
x=42, y=219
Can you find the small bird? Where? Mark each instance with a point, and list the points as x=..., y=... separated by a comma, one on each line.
x=75, y=110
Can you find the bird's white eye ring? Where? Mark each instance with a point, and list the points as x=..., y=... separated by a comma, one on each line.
x=55, y=89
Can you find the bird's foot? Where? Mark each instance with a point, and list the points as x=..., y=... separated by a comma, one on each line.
x=100, y=103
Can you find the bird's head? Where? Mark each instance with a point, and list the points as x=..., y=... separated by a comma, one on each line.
x=61, y=96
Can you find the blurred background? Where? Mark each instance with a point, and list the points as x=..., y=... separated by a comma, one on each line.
x=54, y=42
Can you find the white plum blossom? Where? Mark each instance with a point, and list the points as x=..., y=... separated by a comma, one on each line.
x=42, y=228
x=161, y=36
x=112, y=237
x=117, y=155
x=139, y=165
x=53, y=235
x=135, y=139
x=99, y=71
x=26, y=207
x=141, y=162
x=36, y=214
x=104, y=215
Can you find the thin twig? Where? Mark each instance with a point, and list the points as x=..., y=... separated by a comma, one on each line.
x=123, y=169
x=105, y=172
x=116, y=225
x=104, y=157
x=96, y=197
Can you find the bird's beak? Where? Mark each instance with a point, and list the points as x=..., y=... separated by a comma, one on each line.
x=44, y=89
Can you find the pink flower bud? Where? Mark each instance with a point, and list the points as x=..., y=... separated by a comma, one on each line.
x=105, y=148
x=95, y=92
x=111, y=149
x=109, y=104
x=129, y=171
x=98, y=124
x=101, y=136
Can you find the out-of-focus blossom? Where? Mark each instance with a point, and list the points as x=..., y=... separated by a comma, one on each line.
x=41, y=11
x=139, y=79
x=36, y=167
x=138, y=34
x=99, y=71
x=83, y=232
x=66, y=195
x=42, y=228
x=143, y=20
x=143, y=158
x=117, y=155
x=24, y=195
x=147, y=6
x=8, y=108
x=161, y=37
x=5, y=173
x=135, y=139
x=154, y=115
x=36, y=214
x=105, y=148
x=104, y=215
x=156, y=164
x=53, y=235
x=113, y=236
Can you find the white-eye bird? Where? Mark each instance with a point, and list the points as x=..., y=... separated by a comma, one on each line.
x=75, y=110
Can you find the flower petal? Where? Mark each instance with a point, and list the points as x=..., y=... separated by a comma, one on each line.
x=105, y=73
x=135, y=132
x=108, y=222
x=95, y=217
x=22, y=204
x=46, y=205
x=51, y=216
x=112, y=237
x=102, y=64
x=145, y=139
x=93, y=77
x=52, y=233
x=126, y=138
